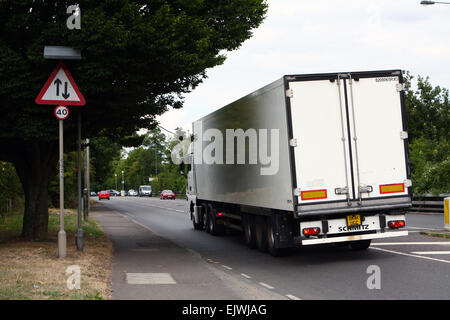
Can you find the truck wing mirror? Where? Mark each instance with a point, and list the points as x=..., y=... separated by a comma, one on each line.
x=182, y=169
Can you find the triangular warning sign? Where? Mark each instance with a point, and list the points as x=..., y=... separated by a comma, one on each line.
x=60, y=88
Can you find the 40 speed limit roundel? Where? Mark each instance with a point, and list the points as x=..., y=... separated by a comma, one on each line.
x=61, y=112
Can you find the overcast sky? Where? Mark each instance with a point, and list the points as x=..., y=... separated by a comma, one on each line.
x=314, y=36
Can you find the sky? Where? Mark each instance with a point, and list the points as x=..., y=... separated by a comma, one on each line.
x=316, y=36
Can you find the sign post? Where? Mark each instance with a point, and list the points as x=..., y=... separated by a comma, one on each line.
x=61, y=90
x=62, y=239
x=61, y=113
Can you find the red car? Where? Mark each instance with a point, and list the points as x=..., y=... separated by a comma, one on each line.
x=167, y=194
x=103, y=195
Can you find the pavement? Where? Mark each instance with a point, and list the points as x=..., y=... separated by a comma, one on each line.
x=148, y=266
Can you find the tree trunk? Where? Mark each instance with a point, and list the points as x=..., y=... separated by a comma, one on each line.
x=35, y=169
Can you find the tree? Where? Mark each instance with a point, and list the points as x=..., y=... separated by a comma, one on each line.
x=104, y=153
x=428, y=117
x=10, y=189
x=139, y=59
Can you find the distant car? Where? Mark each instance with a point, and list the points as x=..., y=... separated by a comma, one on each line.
x=167, y=194
x=114, y=193
x=103, y=195
x=132, y=193
x=93, y=194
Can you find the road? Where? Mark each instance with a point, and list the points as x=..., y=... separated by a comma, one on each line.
x=412, y=267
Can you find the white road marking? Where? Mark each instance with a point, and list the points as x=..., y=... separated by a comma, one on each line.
x=227, y=267
x=266, y=285
x=422, y=228
x=149, y=278
x=292, y=297
x=431, y=252
x=146, y=227
x=246, y=276
x=410, y=255
x=410, y=243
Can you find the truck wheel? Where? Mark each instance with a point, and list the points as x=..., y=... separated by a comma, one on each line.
x=249, y=231
x=261, y=233
x=205, y=217
x=214, y=228
x=360, y=245
x=271, y=242
x=199, y=225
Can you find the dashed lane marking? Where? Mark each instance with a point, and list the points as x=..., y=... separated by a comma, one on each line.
x=292, y=297
x=268, y=286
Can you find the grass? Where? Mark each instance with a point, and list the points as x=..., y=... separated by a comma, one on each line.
x=31, y=270
x=437, y=235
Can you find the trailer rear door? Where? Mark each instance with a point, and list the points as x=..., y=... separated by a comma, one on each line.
x=350, y=136
x=378, y=135
x=319, y=127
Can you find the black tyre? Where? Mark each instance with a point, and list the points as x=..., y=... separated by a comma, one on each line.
x=215, y=228
x=248, y=225
x=360, y=245
x=197, y=226
x=205, y=217
x=271, y=241
x=261, y=233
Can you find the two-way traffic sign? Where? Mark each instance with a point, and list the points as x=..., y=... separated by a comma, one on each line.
x=61, y=89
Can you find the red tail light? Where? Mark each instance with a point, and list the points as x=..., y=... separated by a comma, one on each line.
x=219, y=214
x=396, y=224
x=311, y=231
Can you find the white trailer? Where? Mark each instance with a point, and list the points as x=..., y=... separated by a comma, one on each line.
x=307, y=159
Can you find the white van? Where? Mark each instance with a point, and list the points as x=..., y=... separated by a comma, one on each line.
x=145, y=191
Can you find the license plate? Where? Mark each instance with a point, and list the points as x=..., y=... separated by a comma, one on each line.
x=353, y=220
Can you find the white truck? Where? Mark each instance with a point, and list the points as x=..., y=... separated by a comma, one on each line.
x=308, y=159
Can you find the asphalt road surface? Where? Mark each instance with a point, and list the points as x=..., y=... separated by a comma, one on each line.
x=411, y=267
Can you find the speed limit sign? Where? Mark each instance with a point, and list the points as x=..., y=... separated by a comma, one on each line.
x=61, y=112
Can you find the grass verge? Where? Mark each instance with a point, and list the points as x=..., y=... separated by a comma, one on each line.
x=32, y=270
x=437, y=235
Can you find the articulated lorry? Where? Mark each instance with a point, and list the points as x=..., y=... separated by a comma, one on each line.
x=308, y=159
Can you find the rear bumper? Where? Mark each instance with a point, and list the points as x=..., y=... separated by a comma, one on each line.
x=387, y=234
x=342, y=207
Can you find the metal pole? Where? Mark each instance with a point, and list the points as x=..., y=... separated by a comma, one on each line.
x=62, y=240
x=79, y=235
x=85, y=196
x=123, y=182
x=88, y=178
